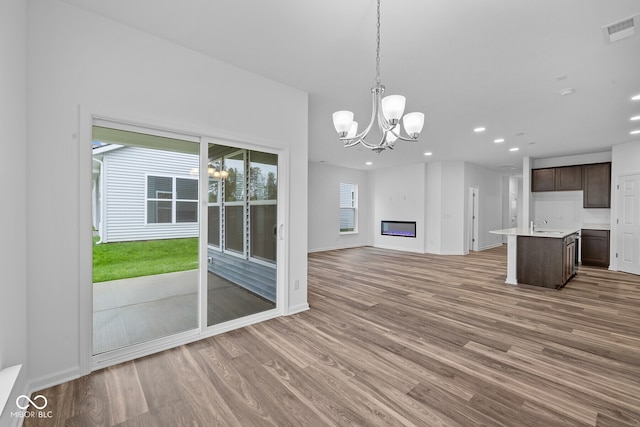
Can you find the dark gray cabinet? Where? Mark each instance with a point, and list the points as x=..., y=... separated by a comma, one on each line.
x=569, y=178
x=566, y=178
x=595, y=248
x=597, y=185
x=594, y=180
x=546, y=261
x=543, y=179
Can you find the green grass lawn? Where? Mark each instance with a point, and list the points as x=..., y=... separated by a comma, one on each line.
x=112, y=261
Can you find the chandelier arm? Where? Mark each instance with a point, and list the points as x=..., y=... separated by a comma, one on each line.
x=374, y=111
x=409, y=139
x=355, y=141
x=351, y=143
x=402, y=137
x=369, y=146
x=362, y=135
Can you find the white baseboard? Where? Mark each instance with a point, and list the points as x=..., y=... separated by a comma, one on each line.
x=298, y=308
x=495, y=245
x=54, y=379
x=394, y=248
x=447, y=253
x=335, y=248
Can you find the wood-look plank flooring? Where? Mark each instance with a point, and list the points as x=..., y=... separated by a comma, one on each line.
x=393, y=339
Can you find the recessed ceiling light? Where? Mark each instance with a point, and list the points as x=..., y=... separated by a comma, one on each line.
x=499, y=140
x=635, y=132
x=428, y=153
x=514, y=149
x=636, y=97
x=567, y=91
x=479, y=129
x=634, y=118
x=369, y=163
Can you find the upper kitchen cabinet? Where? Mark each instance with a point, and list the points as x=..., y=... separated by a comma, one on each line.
x=543, y=179
x=596, y=180
x=565, y=178
x=569, y=178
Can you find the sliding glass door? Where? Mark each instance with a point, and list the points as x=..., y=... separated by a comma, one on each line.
x=147, y=273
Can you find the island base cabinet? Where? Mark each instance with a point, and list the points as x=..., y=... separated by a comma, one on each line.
x=543, y=261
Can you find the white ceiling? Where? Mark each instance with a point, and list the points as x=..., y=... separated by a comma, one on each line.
x=464, y=63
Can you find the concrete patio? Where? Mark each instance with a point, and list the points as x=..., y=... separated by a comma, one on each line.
x=131, y=311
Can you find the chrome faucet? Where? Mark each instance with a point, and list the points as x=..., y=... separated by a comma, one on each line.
x=537, y=222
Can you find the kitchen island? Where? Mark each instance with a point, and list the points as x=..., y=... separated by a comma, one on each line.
x=542, y=257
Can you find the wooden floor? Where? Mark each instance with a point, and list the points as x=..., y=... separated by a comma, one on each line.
x=394, y=339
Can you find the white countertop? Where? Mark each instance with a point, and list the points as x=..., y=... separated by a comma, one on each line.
x=543, y=232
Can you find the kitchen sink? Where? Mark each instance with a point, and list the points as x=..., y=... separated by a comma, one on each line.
x=547, y=232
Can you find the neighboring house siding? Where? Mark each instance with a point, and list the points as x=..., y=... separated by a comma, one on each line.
x=125, y=171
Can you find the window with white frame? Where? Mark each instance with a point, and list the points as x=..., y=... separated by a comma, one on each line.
x=348, y=208
x=171, y=200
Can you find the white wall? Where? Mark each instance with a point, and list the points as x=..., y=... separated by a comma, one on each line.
x=454, y=214
x=625, y=158
x=447, y=206
x=491, y=193
x=324, y=219
x=78, y=58
x=563, y=209
x=13, y=296
x=578, y=159
x=433, y=208
x=445, y=200
x=399, y=195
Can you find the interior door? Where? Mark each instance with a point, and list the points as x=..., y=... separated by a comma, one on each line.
x=628, y=231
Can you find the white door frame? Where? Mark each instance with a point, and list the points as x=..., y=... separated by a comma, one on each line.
x=617, y=247
x=89, y=362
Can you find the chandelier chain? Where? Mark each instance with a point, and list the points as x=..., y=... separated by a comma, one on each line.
x=378, y=48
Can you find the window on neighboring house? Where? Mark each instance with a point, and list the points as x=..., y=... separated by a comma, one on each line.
x=348, y=208
x=171, y=200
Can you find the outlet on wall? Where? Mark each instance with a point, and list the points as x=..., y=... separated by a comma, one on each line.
x=296, y=284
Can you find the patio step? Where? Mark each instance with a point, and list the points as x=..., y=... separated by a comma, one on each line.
x=257, y=278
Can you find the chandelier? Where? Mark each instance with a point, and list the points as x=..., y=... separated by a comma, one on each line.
x=386, y=111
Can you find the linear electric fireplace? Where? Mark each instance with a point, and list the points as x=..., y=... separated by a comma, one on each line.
x=398, y=228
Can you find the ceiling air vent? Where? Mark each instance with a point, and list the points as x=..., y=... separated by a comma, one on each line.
x=620, y=30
